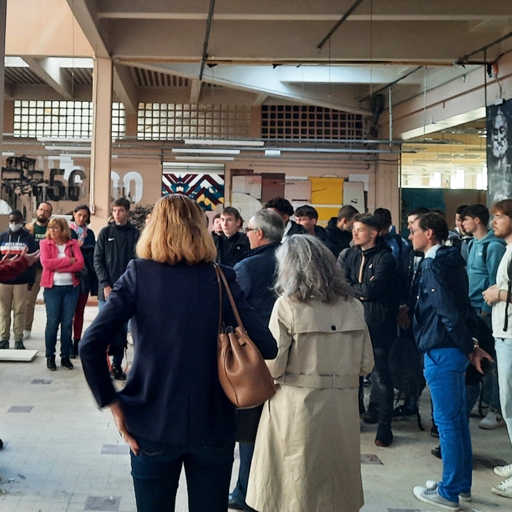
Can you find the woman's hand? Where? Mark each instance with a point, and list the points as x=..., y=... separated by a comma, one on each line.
x=121, y=427
x=72, y=260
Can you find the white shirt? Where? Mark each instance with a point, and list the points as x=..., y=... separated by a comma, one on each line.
x=432, y=252
x=498, y=309
x=62, y=278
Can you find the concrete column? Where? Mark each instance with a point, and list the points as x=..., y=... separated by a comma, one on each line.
x=101, y=144
x=3, y=16
x=387, y=193
x=131, y=125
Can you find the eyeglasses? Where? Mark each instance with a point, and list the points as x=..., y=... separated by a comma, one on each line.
x=250, y=229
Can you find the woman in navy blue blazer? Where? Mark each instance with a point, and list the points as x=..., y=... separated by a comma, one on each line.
x=172, y=411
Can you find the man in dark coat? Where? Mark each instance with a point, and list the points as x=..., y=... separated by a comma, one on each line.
x=255, y=274
x=115, y=248
x=285, y=209
x=231, y=245
x=339, y=229
x=370, y=269
x=442, y=328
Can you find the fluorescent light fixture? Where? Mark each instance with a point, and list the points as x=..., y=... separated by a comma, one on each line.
x=15, y=62
x=61, y=140
x=207, y=151
x=68, y=148
x=272, y=152
x=222, y=142
x=75, y=63
x=7, y=153
x=205, y=158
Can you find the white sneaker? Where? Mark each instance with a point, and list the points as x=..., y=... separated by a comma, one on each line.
x=491, y=421
x=432, y=484
x=504, y=489
x=27, y=335
x=504, y=471
x=432, y=497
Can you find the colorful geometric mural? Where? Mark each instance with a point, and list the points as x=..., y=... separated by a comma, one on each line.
x=206, y=189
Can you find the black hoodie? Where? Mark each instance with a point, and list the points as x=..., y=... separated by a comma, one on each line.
x=372, y=276
x=337, y=238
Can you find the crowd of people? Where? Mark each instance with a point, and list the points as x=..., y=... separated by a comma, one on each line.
x=331, y=309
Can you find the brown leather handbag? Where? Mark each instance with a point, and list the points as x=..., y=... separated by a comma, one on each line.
x=243, y=374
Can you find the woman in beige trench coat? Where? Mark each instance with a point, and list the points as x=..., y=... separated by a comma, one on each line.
x=307, y=453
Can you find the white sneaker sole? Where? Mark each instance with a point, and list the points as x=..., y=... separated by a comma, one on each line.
x=417, y=491
x=499, y=492
x=491, y=426
x=503, y=474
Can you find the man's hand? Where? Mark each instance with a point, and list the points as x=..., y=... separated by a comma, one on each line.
x=477, y=356
x=107, y=291
x=491, y=295
x=121, y=427
x=31, y=258
x=72, y=260
x=403, y=319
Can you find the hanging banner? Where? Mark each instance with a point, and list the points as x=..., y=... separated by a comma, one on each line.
x=499, y=152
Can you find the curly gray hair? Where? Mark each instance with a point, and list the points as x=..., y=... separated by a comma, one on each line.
x=307, y=270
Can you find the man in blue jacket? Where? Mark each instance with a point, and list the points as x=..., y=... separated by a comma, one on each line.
x=485, y=251
x=442, y=313
x=255, y=274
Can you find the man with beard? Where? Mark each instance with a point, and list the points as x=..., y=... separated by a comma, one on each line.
x=38, y=230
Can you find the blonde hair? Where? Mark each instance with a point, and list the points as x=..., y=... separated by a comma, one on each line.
x=63, y=223
x=176, y=233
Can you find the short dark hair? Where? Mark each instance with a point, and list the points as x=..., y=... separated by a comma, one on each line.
x=437, y=223
x=281, y=205
x=460, y=209
x=347, y=212
x=504, y=206
x=306, y=211
x=421, y=210
x=123, y=203
x=230, y=210
x=384, y=217
x=368, y=220
x=216, y=216
x=16, y=212
x=86, y=208
x=478, y=211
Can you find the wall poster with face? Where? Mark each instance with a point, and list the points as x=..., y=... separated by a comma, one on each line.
x=499, y=152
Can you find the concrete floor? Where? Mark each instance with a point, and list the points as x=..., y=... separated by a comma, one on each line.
x=62, y=454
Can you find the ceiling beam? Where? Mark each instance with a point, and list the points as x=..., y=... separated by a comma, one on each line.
x=259, y=99
x=195, y=91
x=125, y=88
x=50, y=72
x=263, y=81
x=86, y=15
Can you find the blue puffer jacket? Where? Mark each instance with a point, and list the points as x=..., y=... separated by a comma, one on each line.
x=443, y=314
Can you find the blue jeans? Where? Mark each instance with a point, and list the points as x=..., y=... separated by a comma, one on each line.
x=118, y=359
x=60, y=304
x=445, y=370
x=156, y=472
x=240, y=492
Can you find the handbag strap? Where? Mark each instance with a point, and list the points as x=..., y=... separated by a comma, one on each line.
x=222, y=277
x=217, y=269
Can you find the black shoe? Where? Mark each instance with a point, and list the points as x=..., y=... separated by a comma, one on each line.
x=74, y=350
x=384, y=436
x=1, y=444
x=436, y=452
x=64, y=361
x=119, y=374
x=434, y=432
x=18, y=345
x=50, y=363
x=234, y=504
x=4, y=344
x=403, y=412
x=372, y=414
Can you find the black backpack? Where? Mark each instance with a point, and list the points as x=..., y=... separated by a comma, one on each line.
x=406, y=367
